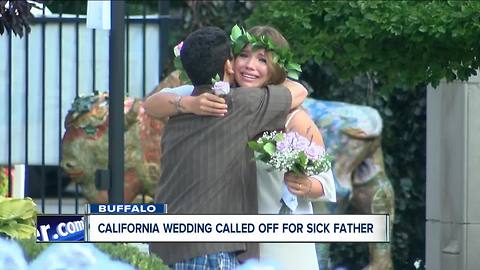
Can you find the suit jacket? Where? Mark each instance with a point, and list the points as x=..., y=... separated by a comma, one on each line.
x=207, y=167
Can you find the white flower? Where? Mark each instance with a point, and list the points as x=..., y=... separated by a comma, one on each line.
x=221, y=88
x=177, y=49
x=417, y=263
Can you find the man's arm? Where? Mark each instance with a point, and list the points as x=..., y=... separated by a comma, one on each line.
x=170, y=102
x=298, y=91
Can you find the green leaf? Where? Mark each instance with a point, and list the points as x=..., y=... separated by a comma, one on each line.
x=236, y=32
x=294, y=66
x=302, y=159
x=294, y=75
x=255, y=146
x=18, y=230
x=279, y=137
x=269, y=148
x=11, y=208
x=296, y=171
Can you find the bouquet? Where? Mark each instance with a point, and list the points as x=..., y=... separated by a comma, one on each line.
x=290, y=152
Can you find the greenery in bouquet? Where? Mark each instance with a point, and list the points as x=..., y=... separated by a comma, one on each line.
x=291, y=152
x=17, y=217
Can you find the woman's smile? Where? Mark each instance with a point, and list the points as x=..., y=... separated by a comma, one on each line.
x=251, y=68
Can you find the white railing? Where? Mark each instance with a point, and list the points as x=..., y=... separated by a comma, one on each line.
x=44, y=80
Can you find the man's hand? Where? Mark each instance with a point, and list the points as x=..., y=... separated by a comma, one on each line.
x=206, y=104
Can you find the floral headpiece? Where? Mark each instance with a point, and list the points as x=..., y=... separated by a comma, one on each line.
x=281, y=56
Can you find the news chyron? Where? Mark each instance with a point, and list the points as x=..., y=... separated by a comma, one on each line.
x=72, y=228
x=60, y=228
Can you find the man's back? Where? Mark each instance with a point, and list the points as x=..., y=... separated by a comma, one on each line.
x=207, y=167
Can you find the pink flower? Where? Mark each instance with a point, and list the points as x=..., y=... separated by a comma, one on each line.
x=177, y=49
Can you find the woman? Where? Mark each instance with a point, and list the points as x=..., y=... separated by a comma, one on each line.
x=254, y=67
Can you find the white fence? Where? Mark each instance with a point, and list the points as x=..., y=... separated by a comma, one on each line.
x=48, y=69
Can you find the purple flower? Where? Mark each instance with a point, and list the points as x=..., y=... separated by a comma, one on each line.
x=291, y=135
x=221, y=88
x=282, y=146
x=300, y=143
x=313, y=151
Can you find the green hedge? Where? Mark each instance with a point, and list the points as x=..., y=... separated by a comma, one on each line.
x=117, y=251
x=400, y=43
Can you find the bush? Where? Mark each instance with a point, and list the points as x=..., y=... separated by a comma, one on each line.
x=117, y=251
x=399, y=43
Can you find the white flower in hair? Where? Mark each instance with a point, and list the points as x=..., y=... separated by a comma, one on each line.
x=177, y=49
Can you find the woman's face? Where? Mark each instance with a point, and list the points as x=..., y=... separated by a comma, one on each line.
x=251, y=68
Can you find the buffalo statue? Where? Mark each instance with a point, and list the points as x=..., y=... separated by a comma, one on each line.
x=352, y=134
x=85, y=147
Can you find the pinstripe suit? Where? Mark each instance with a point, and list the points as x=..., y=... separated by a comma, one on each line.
x=207, y=167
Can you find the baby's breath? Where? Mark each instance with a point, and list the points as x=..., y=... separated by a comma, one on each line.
x=283, y=153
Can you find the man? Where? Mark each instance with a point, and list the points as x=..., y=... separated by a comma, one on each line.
x=207, y=167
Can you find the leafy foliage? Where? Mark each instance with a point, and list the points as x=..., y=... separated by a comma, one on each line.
x=17, y=217
x=15, y=16
x=117, y=251
x=131, y=255
x=224, y=14
x=200, y=13
x=399, y=43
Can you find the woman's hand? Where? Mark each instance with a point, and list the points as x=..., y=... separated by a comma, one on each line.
x=298, y=185
x=206, y=104
x=303, y=186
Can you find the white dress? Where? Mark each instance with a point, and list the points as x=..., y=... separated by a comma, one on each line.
x=288, y=255
x=270, y=188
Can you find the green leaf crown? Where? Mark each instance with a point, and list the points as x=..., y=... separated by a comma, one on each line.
x=240, y=38
x=281, y=56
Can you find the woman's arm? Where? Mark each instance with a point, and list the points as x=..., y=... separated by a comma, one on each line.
x=317, y=186
x=161, y=105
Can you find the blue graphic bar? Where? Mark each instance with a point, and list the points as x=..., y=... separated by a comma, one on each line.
x=60, y=228
x=135, y=209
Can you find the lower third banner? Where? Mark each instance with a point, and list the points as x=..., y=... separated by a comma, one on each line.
x=60, y=228
x=238, y=228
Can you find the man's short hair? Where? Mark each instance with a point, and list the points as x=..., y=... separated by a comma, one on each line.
x=204, y=53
